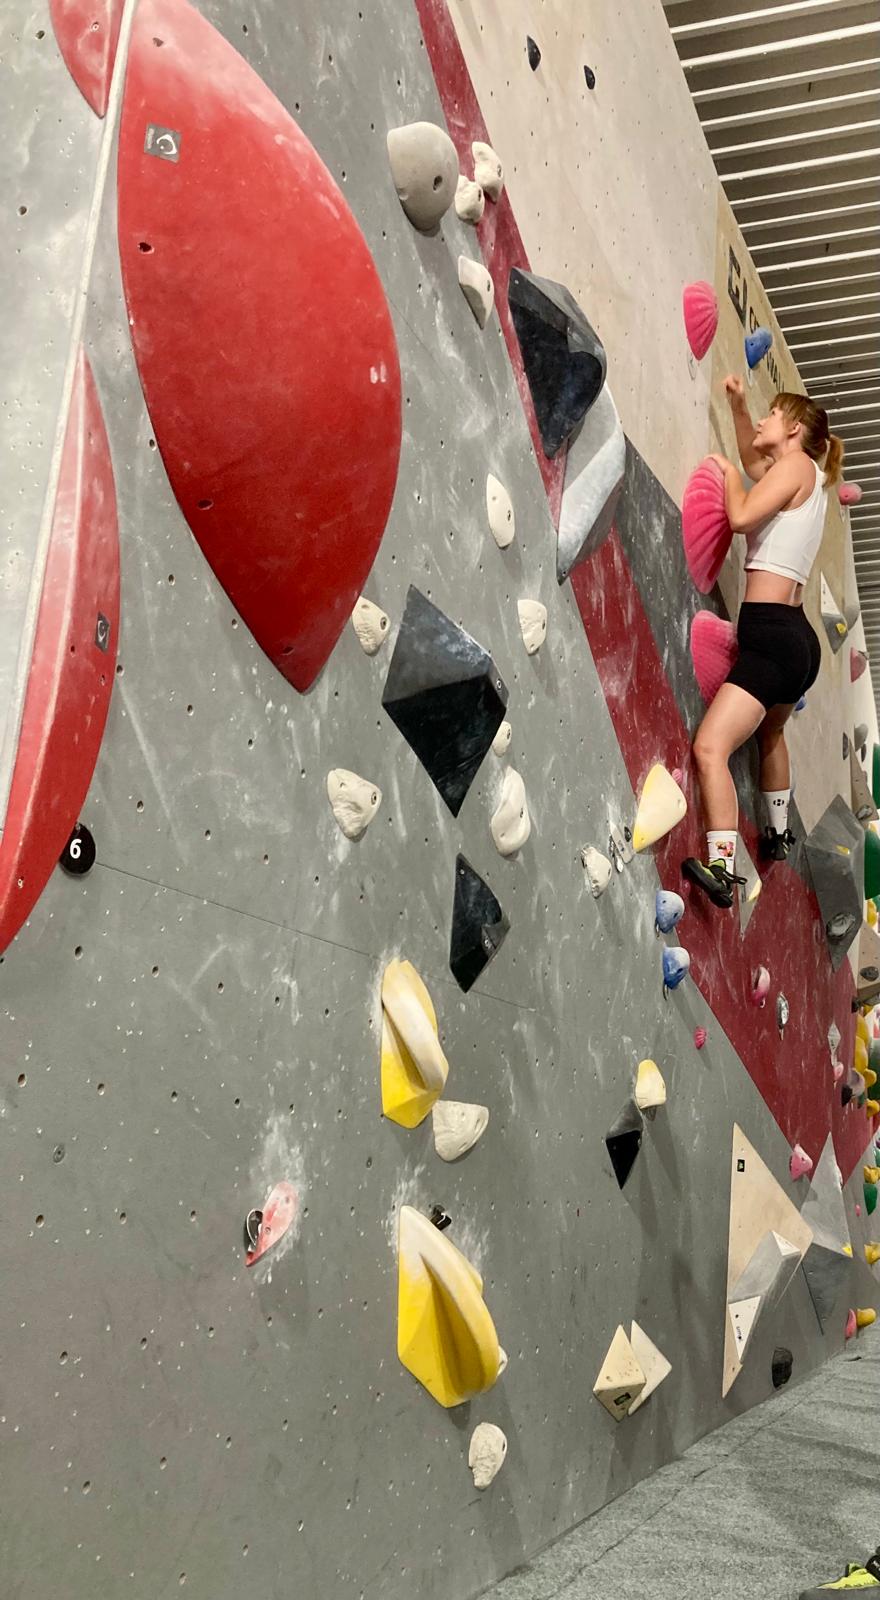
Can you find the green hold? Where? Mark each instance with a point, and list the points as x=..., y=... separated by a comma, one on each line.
x=872, y=864
x=875, y=774
x=870, y=1197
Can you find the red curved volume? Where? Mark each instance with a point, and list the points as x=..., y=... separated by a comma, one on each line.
x=87, y=32
x=72, y=664
x=261, y=333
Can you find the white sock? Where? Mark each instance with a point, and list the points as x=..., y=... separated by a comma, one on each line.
x=721, y=843
x=776, y=802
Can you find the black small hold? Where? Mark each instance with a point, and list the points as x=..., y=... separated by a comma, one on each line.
x=783, y=1361
x=252, y=1225
x=590, y=76
x=440, y=1218
x=78, y=855
x=534, y=54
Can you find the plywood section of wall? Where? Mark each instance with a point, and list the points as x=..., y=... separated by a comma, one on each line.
x=613, y=190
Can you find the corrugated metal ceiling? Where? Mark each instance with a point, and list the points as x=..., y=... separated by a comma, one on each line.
x=789, y=99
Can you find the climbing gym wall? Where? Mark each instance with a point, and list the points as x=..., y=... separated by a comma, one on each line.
x=384, y=1192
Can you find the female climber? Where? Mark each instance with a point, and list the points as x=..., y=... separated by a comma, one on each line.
x=792, y=460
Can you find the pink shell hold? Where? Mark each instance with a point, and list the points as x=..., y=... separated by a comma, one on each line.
x=278, y=1213
x=713, y=651
x=852, y=1326
x=838, y=1071
x=677, y=776
x=760, y=986
x=699, y=304
x=849, y=494
x=700, y=1037
x=857, y=664
x=800, y=1164
x=704, y=526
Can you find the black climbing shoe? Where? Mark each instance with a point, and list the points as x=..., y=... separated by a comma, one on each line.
x=775, y=846
x=715, y=881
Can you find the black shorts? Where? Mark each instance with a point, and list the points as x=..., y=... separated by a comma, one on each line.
x=779, y=653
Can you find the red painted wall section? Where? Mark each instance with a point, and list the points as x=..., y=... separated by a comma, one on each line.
x=87, y=32
x=71, y=676
x=785, y=933
x=261, y=333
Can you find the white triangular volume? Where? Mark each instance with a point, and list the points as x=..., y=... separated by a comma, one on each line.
x=742, y=1317
x=824, y=1207
x=758, y=1206
x=652, y=1362
x=744, y=867
x=769, y=1271
x=594, y=471
x=827, y=603
x=457, y=1127
x=621, y=1379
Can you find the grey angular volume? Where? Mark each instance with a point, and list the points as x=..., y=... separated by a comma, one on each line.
x=825, y=1271
x=835, y=849
x=479, y=926
x=564, y=360
x=445, y=694
x=594, y=471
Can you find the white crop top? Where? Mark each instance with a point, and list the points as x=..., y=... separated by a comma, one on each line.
x=789, y=542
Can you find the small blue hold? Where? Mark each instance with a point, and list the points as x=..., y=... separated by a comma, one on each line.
x=668, y=910
x=676, y=965
x=757, y=345
x=802, y=703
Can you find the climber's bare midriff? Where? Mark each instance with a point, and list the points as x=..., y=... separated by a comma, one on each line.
x=773, y=589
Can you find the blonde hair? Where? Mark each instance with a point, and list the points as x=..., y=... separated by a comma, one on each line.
x=817, y=440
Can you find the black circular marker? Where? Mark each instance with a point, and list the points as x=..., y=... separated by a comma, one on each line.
x=78, y=855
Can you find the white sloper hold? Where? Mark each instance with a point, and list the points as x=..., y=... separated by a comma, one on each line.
x=469, y=200
x=488, y=171
x=532, y=624
x=501, y=741
x=457, y=1127
x=594, y=471
x=486, y=1453
x=652, y=1362
x=511, y=823
x=499, y=510
x=477, y=288
x=598, y=869
x=371, y=624
x=424, y=166
x=355, y=801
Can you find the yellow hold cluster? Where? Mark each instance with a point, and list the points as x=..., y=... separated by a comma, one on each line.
x=414, y=1068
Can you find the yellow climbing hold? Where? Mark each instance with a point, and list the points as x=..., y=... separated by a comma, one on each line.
x=865, y=1317
x=862, y=1030
x=846, y=1250
x=871, y=914
x=414, y=1068
x=650, y=1087
x=871, y=1174
x=445, y=1335
x=869, y=1076
x=860, y=1056
x=872, y=1254
x=872, y=1108
x=661, y=806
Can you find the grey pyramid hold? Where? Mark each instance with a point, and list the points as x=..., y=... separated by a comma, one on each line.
x=824, y=1209
x=826, y=1271
x=563, y=358
x=594, y=469
x=835, y=850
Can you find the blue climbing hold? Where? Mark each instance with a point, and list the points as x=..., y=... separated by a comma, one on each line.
x=668, y=910
x=757, y=345
x=802, y=703
x=676, y=965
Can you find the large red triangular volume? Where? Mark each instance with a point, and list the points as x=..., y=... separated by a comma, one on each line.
x=87, y=33
x=72, y=663
x=261, y=333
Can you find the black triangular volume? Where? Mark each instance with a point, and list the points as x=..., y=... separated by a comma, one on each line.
x=624, y=1141
x=445, y=694
x=563, y=358
x=479, y=926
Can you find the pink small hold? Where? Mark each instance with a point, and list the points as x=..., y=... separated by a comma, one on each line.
x=677, y=776
x=849, y=494
x=858, y=661
x=838, y=1071
x=760, y=986
x=858, y=1209
x=276, y=1217
x=852, y=1326
x=800, y=1164
x=700, y=1037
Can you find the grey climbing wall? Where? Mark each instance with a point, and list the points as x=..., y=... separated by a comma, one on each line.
x=199, y=1017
